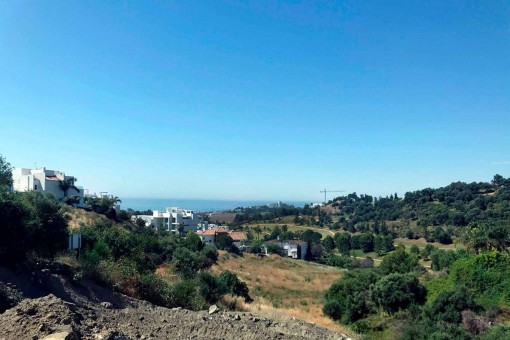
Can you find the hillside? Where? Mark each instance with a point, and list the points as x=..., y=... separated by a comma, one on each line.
x=455, y=205
x=284, y=286
x=44, y=302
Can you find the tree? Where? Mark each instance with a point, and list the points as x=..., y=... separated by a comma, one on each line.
x=235, y=286
x=498, y=181
x=415, y=250
x=48, y=230
x=66, y=184
x=185, y=262
x=397, y=291
x=180, y=228
x=348, y=299
x=258, y=231
x=343, y=242
x=5, y=175
x=448, y=306
x=14, y=217
x=367, y=242
x=329, y=243
x=398, y=261
x=310, y=236
x=487, y=236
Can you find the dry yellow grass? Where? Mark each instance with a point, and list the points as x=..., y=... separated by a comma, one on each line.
x=284, y=286
x=77, y=217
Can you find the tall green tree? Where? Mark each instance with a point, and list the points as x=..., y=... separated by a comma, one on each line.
x=5, y=175
x=343, y=243
x=66, y=184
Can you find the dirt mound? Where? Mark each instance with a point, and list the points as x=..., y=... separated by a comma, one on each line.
x=77, y=313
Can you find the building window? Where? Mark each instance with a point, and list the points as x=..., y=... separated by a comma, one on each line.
x=35, y=186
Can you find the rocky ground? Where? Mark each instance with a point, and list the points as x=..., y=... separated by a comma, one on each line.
x=44, y=305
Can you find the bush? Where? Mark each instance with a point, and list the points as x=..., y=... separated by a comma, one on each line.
x=496, y=332
x=348, y=299
x=234, y=285
x=448, y=306
x=398, y=261
x=397, y=291
x=338, y=261
x=153, y=289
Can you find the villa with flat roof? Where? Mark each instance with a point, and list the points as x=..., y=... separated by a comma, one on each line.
x=47, y=182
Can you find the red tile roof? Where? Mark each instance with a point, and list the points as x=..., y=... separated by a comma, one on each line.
x=238, y=236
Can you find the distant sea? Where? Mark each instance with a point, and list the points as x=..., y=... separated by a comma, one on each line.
x=142, y=204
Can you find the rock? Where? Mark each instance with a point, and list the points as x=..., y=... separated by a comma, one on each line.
x=141, y=318
x=31, y=311
x=237, y=317
x=176, y=308
x=106, y=305
x=213, y=309
x=61, y=336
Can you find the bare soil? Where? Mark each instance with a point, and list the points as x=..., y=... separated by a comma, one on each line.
x=43, y=302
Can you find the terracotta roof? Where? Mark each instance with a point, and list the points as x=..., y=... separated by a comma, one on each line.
x=221, y=231
x=206, y=232
x=238, y=236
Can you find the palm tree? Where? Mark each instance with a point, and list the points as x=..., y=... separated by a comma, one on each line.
x=257, y=230
x=66, y=184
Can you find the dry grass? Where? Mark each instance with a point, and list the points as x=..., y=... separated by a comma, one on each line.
x=78, y=217
x=284, y=286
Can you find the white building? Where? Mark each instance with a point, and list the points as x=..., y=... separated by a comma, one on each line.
x=171, y=219
x=45, y=181
x=294, y=248
x=209, y=236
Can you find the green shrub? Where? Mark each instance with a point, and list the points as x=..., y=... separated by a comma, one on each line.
x=496, y=332
x=338, y=261
x=398, y=261
x=397, y=291
x=348, y=299
x=448, y=306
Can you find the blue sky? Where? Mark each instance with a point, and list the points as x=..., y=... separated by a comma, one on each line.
x=257, y=99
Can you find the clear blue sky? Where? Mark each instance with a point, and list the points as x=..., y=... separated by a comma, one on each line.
x=257, y=99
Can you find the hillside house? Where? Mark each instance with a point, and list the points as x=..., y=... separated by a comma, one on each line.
x=295, y=249
x=239, y=238
x=171, y=219
x=47, y=182
x=209, y=236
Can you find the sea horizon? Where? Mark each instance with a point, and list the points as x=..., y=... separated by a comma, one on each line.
x=160, y=204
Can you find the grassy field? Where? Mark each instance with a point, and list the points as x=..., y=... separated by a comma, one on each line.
x=284, y=286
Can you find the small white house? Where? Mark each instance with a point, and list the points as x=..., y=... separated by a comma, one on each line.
x=209, y=236
x=295, y=249
x=45, y=181
x=171, y=219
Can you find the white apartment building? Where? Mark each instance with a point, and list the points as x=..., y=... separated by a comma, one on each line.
x=171, y=219
x=45, y=181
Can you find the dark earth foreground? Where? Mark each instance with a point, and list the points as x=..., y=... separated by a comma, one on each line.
x=43, y=305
